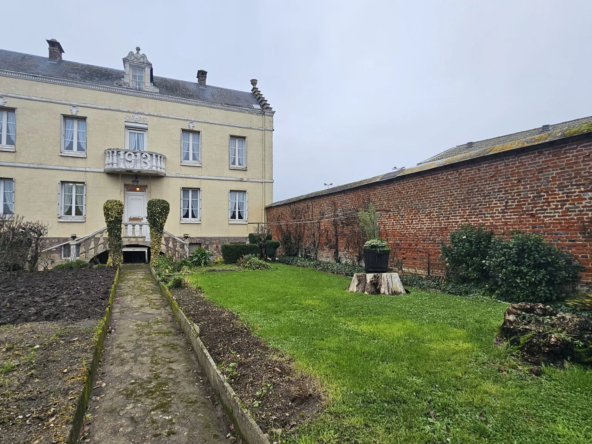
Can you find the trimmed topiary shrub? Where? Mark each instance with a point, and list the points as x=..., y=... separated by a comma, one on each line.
x=113, y=212
x=271, y=247
x=466, y=256
x=233, y=252
x=527, y=269
x=158, y=211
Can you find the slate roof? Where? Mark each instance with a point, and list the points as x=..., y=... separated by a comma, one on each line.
x=98, y=75
x=468, y=151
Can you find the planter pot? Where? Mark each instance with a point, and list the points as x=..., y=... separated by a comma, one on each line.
x=376, y=261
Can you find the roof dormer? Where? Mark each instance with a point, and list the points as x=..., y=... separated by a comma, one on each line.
x=137, y=72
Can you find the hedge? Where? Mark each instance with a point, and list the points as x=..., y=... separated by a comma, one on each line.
x=233, y=252
x=113, y=212
x=158, y=211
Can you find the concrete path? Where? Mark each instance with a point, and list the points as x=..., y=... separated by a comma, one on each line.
x=150, y=388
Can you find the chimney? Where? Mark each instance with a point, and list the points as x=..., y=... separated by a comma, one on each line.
x=545, y=128
x=55, y=50
x=201, y=77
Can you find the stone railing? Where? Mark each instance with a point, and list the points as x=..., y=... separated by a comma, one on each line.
x=136, y=229
x=138, y=162
x=175, y=246
x=88, y=246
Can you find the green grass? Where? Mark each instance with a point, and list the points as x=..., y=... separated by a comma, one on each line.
x=417, y=368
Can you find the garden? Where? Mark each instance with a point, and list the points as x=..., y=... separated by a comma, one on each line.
x=503, y=359
x=48, y=335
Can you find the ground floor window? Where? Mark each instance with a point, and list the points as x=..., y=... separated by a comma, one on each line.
x=73, y=199
x=67, y=250
x=190, y=204
x=238, y=206
x=7, y=196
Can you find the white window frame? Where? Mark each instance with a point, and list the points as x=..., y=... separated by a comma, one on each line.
x=75, y=152
x=2, y=181
x=136, y=128
x=4, y=124
x=230, y=149
x=69, y=246
x=191, y=220
x=134, y=83
x=61, y=207
x=192, y=134
x=230, y=209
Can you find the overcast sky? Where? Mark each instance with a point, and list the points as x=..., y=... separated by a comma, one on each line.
x=358, y=86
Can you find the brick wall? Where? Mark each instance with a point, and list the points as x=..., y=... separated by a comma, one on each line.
x=545, y=189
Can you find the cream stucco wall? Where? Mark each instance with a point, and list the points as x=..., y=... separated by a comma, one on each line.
x=37, y=165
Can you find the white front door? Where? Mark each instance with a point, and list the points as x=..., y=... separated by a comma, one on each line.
x=134, y=215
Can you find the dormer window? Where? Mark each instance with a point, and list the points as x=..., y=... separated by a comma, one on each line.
x=137, y=78
x=137, y=72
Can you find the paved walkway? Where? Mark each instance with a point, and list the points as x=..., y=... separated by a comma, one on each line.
x=150, y=387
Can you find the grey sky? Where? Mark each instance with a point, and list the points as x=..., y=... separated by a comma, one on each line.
x=358, y=87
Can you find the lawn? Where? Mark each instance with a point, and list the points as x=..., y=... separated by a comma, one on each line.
x=417, y=368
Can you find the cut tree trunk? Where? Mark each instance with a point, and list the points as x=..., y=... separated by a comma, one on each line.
x=376, y=283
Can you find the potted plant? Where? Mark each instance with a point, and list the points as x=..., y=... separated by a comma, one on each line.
x=376, y=251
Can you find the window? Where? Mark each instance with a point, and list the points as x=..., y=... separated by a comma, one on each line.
x=136, y=138
x=190, y=149
x=7, y=196
x=7, y=128
x=238, y=208
x=66, y=249
x=74, y=136
x=73, y=200
x=137, y=78
x=237, y=152
x=190, y=205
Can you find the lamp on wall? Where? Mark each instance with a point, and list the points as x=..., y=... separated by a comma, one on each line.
x=135, y=182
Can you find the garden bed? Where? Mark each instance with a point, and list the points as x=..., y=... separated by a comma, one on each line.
x=44, y=365
x=277, y=395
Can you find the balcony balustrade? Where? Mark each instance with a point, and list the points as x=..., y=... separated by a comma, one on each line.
x=136, y=229
x=136, y=162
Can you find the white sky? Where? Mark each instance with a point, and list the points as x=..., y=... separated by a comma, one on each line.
x=358, y=87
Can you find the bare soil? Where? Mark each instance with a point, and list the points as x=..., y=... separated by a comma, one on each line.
x=64, y=295
x=278, y=396
x=42, y=369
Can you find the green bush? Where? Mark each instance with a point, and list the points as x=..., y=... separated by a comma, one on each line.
x=182, y=263
x=252, y=238
x=176, y=282
x=466, y=256
x=271, y=247
x=73, y=265
x=113, y=212
x=527, y=269
x=252, y=262
x=201, y=257
x=233, y=252
x=157, y=213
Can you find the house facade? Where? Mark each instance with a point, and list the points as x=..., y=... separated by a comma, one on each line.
x=74, y=135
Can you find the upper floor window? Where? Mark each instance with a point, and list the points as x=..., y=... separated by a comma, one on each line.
x=137, y=78
x=190, y=205
x=136, y=136
x=7, y=128
x=74, y=136
x=73, y=200
x=190, y=147
x=238, y=206
x=7, y=196
x=237, y=152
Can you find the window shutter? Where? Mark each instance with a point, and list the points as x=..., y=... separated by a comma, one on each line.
x=229, y=207
x=181, y=206
x=59, y=198
x=84, y=202
x=199, y=203
x=246, y=205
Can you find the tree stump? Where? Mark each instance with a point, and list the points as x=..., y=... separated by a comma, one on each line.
x=376, y=283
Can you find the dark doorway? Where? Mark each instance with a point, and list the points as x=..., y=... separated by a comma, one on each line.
x=134, y=257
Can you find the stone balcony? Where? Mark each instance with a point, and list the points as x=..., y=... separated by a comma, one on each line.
x=136, y=162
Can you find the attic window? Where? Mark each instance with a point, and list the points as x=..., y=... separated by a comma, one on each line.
x=257, y=106
x=137, y=78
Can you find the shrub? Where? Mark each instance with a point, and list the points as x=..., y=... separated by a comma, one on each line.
x=158, y=211
x=253, y=263
x=368, y=221
x=176, y=282
x=466, y=256
x=200, y=257
x=218, y=261
x=182, y=263
x=526, y=269
x=271, y=248
x=73, y=265
x=232, y=252
x=113, y=212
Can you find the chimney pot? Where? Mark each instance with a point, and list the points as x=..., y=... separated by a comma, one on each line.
x=55, y=50
x=201, y=77
x=546, y=128
x=470, y=144
x=254, y=83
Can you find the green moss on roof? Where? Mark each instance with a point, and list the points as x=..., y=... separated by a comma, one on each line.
x=585, y=128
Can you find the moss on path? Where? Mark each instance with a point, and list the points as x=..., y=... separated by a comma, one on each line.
x=150, y=387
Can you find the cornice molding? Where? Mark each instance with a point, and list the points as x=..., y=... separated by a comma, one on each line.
x=130, y=92
x=130, y=111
